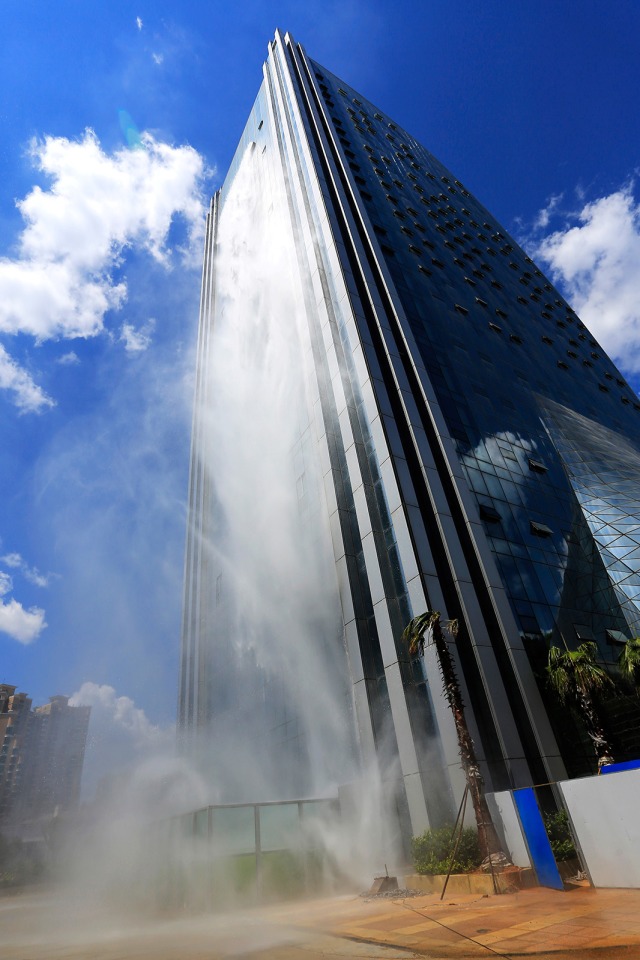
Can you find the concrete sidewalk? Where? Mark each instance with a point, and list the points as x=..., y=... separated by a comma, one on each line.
x=583, y=923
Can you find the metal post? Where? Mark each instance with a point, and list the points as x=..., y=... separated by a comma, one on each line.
x=459, y=820
x=256, y=816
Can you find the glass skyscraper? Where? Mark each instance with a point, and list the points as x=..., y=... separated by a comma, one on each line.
x=447, y=435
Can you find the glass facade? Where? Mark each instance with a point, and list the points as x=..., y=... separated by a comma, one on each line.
x=478, y=449
x=224, y=856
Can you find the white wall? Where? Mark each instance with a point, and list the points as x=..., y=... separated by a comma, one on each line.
x=604, y=815
x=505, y=818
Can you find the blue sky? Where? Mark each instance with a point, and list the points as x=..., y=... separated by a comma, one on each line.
x=532, y=105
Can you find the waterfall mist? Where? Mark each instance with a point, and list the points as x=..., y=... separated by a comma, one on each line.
x=274, y=718
x=275, y=711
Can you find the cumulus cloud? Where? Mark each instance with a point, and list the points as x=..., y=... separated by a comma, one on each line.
x=119, y=712
x=68, y=359
x=543, y=219
x=11, y=560
x=595, y=257
x=136, y=340
x=78, y=230
x=120, y=733
x=22, y=625
x=27, y=395
x=32, y=574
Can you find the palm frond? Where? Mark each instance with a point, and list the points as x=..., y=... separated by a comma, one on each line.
x=414, y=634
x=574, y=672
x=558, y=674
x=575, y=675
x=629, y=659
x=417, y=632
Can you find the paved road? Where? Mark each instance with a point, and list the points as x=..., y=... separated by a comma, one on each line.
x=58, y=927
x=47, y=926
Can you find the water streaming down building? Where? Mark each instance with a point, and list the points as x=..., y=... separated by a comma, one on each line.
x=465, y=440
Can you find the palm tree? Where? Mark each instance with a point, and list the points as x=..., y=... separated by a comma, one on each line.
x=575, y=675
x=629, y=660
x=429, y=628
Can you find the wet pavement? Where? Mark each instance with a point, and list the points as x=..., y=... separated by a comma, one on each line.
x=581, y=923
x=59, y=926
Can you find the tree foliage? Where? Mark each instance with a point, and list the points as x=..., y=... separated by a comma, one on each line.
x=432, y=851
x=19, y=864
x=575, y=672
x=629, y=660
x=576, y=677
x=557, y=827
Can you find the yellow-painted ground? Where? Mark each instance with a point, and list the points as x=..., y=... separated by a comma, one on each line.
x=581, y=922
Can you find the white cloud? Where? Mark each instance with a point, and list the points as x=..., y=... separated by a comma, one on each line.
x=544, y=216
x=20, y=624
x=12, y=560
x=119, y=712
x=68, y=359
x=136, y=340
x=121, y=736
x=158, y=58
x=77, y=232
x=139, y=23
x=32, y=574
x=595, y=257
x=28, y=396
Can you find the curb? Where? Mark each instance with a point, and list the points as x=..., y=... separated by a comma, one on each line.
x=475, y=883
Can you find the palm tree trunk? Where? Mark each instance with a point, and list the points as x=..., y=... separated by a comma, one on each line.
x=487, y=835
x=595, y=729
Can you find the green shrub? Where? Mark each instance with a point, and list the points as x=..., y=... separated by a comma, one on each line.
x=19, y=864
x=432, y=851
x=557, y=827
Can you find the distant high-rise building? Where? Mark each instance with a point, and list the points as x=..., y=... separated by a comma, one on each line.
x=41, y=759
x=15, y=712
x=468, y=444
